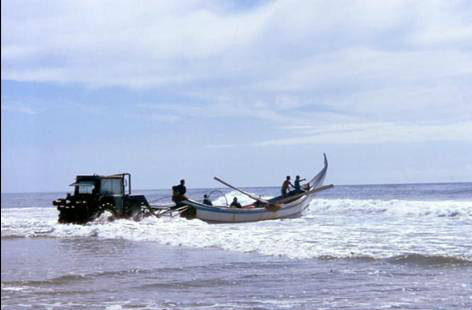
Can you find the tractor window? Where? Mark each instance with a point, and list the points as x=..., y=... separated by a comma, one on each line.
x=111, y=187
x=85, y=188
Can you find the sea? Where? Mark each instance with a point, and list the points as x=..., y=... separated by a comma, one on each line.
x=404, y=246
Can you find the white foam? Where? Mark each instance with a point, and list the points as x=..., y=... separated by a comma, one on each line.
x=331, y=227
x=392, y=207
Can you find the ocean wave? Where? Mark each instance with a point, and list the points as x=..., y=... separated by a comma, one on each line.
x=339, y=228
x=406, y=208
x=428, y=260
x=60, y=280
x=411, y=258
x=74, y=277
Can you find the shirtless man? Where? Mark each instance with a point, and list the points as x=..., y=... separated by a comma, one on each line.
x=285, y=186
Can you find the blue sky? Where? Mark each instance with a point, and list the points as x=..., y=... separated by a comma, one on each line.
x=248, y=91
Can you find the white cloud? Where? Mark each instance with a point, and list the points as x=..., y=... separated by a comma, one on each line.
x=376, y=133
x=139, y=43
x=290, y=62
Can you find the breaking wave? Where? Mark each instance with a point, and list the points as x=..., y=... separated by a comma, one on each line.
x=331, y=228
x=405, y=208
x=428, y=260
x=75, y=277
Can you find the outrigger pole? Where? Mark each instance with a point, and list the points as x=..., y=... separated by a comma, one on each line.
x=242, y=192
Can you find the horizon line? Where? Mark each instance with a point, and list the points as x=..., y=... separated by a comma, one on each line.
x=264, y=186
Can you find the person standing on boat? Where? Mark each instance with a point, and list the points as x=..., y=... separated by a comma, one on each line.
x=207, y=200
x=285, y=186
x=297, y=185
x=235, y=203
x=178, y=192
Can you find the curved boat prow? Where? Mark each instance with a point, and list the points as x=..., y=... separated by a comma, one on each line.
x=318, y=179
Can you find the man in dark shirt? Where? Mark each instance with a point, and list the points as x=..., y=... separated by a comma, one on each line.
x=178, y=193
x=207, y=200
x=235, y=203
x=297, y=185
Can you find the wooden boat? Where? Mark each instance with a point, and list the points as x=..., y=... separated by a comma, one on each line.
x=276, y=208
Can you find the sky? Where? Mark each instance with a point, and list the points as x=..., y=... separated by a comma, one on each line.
x=250, y=91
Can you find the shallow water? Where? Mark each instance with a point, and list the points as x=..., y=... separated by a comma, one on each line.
x=373, y=247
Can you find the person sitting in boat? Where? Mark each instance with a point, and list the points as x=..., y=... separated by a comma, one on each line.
x=207, y=200
x=235, y=203
x=178, y=193
x=285, y=186
x=297, y=186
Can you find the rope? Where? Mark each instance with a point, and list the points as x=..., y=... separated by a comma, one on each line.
x=161, y=198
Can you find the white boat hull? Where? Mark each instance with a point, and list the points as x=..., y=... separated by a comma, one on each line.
x=237, y=215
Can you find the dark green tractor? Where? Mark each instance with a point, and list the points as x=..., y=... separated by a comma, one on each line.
x=95, y=194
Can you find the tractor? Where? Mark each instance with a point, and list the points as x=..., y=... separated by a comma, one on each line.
x=94, y=194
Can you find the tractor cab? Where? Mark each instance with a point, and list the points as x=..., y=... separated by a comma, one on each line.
x=96, y=185
x=94, y=194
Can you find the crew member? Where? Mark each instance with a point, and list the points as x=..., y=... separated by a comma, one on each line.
x=207, y=200
x=178, y=193
x=297, y=185
x=235, y=203
x=285, y=186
